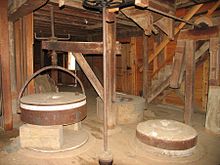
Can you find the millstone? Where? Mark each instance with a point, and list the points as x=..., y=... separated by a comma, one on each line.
x=166, y=134
x=128, y=109
x=55, y=108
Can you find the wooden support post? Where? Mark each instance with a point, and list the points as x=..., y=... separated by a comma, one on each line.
x=205, y=84
x=178, y=64
x=89, y=73
x=145, y=69
x=133, y=65
x=109, y=67
x=111, y=45
x=17, y=29
x=28, y=22
x=5, y=64
x=214, y=62
x=189, y=80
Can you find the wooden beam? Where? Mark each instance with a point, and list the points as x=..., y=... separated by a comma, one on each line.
x=89, y=73
x=189, y=80
x=5, y=67
x=143, y=18
x=214, y=7
x=146, y=79
x=109, y=39
x=199, y=34
x=178, y=64
x=77, y=47
x=214, y=62
x=28, y=21
x=142, y=3
x=162, y=45
x=17, y=11
x=155, y=92
x=167, y=26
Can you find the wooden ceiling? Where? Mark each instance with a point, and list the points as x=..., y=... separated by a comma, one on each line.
x=86, y=25
x=77, y=22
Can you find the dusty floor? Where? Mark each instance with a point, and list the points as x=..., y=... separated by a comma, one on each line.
x=123, y=145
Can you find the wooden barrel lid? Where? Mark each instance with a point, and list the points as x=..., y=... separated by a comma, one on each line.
x=55, y=98
x=167, y=134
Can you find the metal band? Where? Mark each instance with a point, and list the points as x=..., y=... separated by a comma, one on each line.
x=52, y=107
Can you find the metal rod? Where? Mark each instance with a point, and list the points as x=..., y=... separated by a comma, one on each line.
x=105, y=128
x=169, y=15
x=52, y=21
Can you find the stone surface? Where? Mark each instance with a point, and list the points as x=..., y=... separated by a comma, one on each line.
x=167, y=134
x=213, y=110
x=48, y=137
x=129, y=109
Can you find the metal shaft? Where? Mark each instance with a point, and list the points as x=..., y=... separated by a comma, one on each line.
x=52, y=21
x=169, y=15
x=105, y=128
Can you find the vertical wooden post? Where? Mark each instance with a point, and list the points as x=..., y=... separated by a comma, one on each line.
x=17, y=29
x=214, y=62
x=145, y=68
x=28, y=22
x=178, y=64
x=109, y=67
x=189, y=80
x=5, y=63
x=111, y=46
x=205, y=86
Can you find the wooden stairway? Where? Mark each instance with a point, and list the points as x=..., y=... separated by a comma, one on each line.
x=171, y=76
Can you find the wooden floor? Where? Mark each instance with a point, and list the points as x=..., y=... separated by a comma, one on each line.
x=122, y=144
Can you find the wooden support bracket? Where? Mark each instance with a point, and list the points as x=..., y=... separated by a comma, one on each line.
x=167, y=26
x=89, y=73
x=17, y=11
x=78, y=47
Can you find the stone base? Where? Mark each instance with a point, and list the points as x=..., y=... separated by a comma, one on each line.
x=213, y=111
x=128, y=109
x=33, y=136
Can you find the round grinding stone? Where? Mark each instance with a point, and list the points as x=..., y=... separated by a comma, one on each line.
x=166, y=134
x=53, y=108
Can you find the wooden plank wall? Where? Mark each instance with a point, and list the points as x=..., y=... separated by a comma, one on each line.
x=23, y=29
x=200, y=90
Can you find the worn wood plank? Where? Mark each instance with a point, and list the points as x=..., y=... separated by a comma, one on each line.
x=26, y=7
x=155, y=92
x=214, y=62
x=142, y=3
x=111, y=40
x=17, y=53
x=28, y=21
x=178, y=64
x=205, y=84
x=189, y=81
x=162, y=45
x=5, y=67
x=109, y=68
x=89, y=73
x=199, y=34
x=167, y=26
x=77, y=47
x=146, y=79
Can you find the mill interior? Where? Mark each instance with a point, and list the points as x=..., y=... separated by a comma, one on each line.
x=124, y=82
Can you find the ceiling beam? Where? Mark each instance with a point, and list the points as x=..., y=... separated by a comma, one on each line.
x=18, y=10
x=77, y=47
